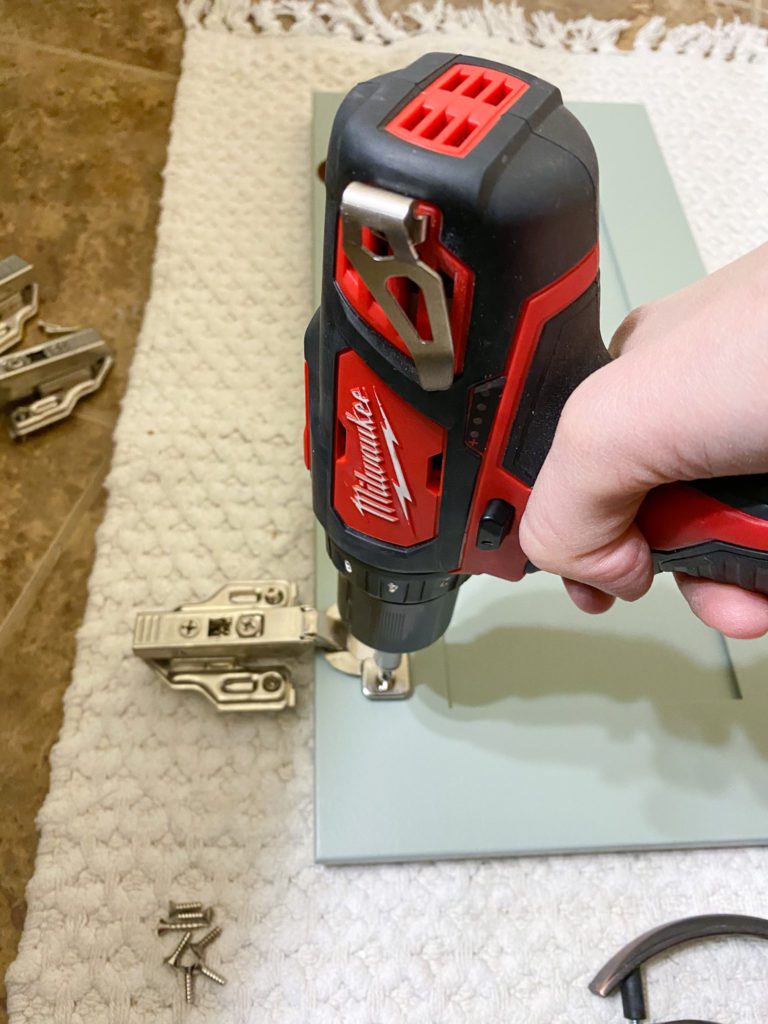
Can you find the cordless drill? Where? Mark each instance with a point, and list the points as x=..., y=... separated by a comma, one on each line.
x=459, y=310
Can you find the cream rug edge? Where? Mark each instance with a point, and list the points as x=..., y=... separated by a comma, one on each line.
x=154, y=797
x=492, y=19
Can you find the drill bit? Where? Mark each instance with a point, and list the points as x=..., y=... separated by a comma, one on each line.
x=387, y=665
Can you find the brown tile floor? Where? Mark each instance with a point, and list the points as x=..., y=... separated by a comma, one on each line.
x=88, y=87
x=88, y=90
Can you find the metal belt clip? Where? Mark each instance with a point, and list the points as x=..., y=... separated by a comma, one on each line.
x=395, y=217
x=233, y=647
x=18, y=299
x=42, y=385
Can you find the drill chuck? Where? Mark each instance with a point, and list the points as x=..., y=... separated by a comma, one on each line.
x=394, y=628
x=393, y=612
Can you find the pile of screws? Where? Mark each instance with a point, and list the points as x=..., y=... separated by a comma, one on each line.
x=187, y=918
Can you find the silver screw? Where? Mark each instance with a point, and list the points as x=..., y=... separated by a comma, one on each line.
x=183, y=908
x=387, y=665
x=190, y=627
x=274, y=595
x=173, y=959
x=249, y=625
x=189, y=981
x=204, y=969
x=272, y=681
x=199, y=916
x=201, y=944
x=180, y=926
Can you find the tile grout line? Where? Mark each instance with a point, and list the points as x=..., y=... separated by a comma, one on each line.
x=20, y=42
x=54, y=551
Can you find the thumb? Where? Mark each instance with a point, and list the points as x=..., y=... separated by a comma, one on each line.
x=579, y=522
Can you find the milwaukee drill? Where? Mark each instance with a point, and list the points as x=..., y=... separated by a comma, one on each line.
x=460, y=308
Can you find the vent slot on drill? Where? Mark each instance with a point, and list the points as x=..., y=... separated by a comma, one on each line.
x=435, y=473
x=457, y=285
x=458, y=109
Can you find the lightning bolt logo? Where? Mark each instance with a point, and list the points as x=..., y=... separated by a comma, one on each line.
x=400, y=487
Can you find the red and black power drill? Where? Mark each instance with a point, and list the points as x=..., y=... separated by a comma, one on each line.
x=460, y=308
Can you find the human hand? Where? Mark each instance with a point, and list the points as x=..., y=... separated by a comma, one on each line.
x=685, y=400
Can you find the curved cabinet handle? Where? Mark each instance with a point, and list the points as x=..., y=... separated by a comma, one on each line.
x=624, y=969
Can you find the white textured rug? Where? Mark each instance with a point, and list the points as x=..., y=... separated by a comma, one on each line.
x=154, y=796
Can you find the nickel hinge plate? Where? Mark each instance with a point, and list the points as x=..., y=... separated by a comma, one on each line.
x=234, y=646
x=18, y=299
x=42, y=385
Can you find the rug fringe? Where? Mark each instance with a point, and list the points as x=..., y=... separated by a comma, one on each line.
x=732, y=40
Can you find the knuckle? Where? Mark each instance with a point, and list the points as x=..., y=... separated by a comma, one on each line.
x=621, y=568
x=604, y=436
x=550, y=541
x=629, y=329
x=577, y=419
x=587, y=423
x=533, y=541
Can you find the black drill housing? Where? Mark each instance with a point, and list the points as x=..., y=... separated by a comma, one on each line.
x=520, y=210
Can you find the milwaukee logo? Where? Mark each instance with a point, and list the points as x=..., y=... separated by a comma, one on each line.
x=386, y=486
x=374, y=489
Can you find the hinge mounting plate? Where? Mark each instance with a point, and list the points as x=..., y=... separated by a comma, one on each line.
x=18, y=299
x=42, y=385
x=233, y=647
